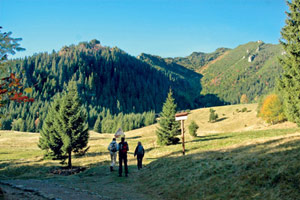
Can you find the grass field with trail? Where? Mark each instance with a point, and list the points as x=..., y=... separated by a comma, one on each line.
x=237, y=157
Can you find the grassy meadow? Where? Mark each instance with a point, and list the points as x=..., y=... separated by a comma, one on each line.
x=237, y=157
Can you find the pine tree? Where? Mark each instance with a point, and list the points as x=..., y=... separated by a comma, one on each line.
x=168, y=127
x=97, y=126
x=71, y=123
x=289, y=84
x=64, y=130
x=50, y=140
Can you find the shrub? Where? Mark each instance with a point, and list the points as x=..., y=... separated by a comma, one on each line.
x=212, y=116
x=244, y=110
x=193, y=129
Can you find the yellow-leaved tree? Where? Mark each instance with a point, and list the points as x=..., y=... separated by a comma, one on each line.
x=271, y=109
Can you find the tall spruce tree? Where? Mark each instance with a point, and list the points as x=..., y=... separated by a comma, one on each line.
x=168, y=127
x=289, y=84
x=50, y=139
x=65, y=129
x=72, y=123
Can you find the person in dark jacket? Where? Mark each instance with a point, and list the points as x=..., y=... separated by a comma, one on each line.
x=123, y=149
x=139, y=152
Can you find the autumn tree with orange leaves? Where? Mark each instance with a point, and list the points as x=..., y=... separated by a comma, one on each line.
x=271, y=109
x=10, y=87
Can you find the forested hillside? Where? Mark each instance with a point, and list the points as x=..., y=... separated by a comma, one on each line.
x=197, y=60
x=110, y=82
x=250, y=70
x=119, y=90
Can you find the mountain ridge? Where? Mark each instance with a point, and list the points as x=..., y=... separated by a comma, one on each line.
x=250, y=69
x=111, y=81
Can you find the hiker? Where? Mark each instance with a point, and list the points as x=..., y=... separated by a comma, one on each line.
x=123, y=148
x=113, y=149
x=139, y=152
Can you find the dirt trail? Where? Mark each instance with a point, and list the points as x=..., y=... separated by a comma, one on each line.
x=42, y=189
x=107, y=187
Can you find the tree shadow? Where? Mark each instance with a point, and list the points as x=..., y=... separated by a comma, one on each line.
x=267, y=168
x=221, y=119
x=134, y=137
x=207, y=138
x=92, y=154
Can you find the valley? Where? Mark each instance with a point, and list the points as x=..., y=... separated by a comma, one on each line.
x=225, y=155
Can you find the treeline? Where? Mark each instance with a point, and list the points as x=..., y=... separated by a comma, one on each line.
x=108, y=79
x=107, y=123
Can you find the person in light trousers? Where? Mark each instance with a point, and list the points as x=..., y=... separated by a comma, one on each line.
x=113, y=148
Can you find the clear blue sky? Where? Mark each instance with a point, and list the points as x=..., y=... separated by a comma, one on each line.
x=168, y=28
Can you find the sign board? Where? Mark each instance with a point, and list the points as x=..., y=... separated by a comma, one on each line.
x=119, y=133
x=181, y=116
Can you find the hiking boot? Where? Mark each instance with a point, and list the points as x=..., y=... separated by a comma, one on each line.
x=126, y=175
x=120, y=175
x=111, y=168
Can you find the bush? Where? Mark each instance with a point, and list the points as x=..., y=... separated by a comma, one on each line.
x=193, y=129
x=271, y=109
x=212, y=116
x=244, y=109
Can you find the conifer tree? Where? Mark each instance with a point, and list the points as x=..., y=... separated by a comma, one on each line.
x=50, y=139
x=71, y=123
x=97, y=126
x=289, y=84
x=65, y=130
x=168, y=127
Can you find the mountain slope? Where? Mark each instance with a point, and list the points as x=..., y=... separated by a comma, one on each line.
x=249, y=69
x=109, y=82
x=227, y=74
x=197, y=60
x=188, y=78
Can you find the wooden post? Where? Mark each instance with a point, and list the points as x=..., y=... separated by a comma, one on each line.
x=182, y=135
x=181, y=117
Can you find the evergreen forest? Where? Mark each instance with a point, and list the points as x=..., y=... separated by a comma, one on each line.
x=120, y=90
x=117, y=90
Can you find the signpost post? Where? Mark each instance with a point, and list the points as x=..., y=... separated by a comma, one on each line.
x=181, y=117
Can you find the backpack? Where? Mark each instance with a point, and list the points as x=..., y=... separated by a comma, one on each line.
x=140, y=150
x=113, y=147
x=124, y=147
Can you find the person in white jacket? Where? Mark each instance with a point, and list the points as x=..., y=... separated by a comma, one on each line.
x=113, y=148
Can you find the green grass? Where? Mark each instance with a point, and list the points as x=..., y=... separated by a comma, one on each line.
x=227, y=160
x=266, y=169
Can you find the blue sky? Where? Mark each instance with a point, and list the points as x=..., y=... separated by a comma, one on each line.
x=168, y=28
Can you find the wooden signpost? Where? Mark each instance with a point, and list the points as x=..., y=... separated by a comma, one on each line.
x=181, y=117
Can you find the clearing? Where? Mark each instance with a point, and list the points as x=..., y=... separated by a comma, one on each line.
x=237, y=157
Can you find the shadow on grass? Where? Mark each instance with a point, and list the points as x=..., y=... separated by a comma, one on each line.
x=94, y=154
x=207, y=138
x=135, y=137
x=269, y=169
x=220, y=119
x=35, y=171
